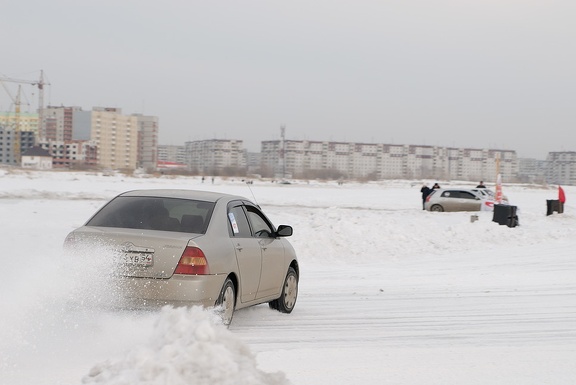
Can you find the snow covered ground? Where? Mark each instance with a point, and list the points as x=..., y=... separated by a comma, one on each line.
x=389, y=293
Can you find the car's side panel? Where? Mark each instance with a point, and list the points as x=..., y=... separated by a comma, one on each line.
x=273, y=267
x=454, y=200
x=247, y=249
x=249, y=258
x=273, y=264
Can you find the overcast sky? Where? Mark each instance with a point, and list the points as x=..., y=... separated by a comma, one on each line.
x=466, y=73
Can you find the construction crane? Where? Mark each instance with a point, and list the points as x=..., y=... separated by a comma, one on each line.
x=40, y=84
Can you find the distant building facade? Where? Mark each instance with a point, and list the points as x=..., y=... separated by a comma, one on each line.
x=172, y=153
x=147, y=141
x=59, y=123
x=12, y=147
x=532, y=170
x=74, y=154
x=308, y=159
x=116, y=137
x=25, y=121
x=37, y=158
x=253, y=162
x=216, y=157
x=100, y=138
x=561, y=168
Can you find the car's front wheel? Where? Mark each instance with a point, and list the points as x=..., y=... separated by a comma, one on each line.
x=226, y=302
x=287, y=300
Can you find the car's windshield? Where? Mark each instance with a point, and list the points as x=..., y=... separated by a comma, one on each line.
x=156, y=213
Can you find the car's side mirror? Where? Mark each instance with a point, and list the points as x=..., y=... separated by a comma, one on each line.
x=284, y=231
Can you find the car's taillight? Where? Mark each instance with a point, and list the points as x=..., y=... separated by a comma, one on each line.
x=428, y=198
x=193, y=261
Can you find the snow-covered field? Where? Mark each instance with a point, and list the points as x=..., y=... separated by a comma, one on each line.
x=389, y=293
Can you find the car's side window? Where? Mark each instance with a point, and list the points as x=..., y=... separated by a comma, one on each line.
x=237, y=221
x=447, y=194
x=260, y=226
x=467, y=195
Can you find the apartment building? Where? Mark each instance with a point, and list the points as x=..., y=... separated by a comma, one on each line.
x=216, y=157
x=102, y=137
x=25, y=121
x=58, y=123
x=561, y=168
x=172, y=153
x=12, y=146
x=147, y=141
x=532, y=170
x=385, y=161
x=76, y=154
x=116, y=137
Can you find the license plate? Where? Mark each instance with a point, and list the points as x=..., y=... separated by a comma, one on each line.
x=138, y=259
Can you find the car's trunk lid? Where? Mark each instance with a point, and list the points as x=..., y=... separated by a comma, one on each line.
x=132, y=252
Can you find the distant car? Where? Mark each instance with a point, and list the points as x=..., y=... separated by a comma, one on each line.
x=455, y=199
x=489, y=194
x=186, y=247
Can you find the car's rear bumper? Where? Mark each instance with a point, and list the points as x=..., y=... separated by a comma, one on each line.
x=177, y=290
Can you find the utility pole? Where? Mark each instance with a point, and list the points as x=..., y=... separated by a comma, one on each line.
x=283, y=150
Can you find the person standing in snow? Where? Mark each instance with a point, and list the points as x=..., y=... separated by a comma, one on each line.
x=436, y=186
x=425, y=190
x=481, y=185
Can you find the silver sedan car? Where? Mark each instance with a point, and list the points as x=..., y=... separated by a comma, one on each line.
x=186, y=247
x=455, y=199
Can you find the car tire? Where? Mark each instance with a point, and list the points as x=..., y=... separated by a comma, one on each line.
x=226, y=302
x=437, y=208
x=287, y=300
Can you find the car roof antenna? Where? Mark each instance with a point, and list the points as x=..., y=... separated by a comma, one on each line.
x=248, y=183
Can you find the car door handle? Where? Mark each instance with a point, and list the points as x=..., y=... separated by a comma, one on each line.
x=238, y=247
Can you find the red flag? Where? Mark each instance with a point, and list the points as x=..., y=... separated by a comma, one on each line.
x=561, y=195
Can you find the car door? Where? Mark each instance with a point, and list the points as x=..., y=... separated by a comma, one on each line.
x=248, y=251
x=469, y=201
x=450, y=200
x=273, y=269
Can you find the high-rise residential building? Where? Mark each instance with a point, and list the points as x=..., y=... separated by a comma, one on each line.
x=25, y=121
x=309, y=159
x=12, y=146
x=103, y=137
x=59, y=123
x=147, y=141
x=253, y=162
x=66, y=135
x=116, y=137
x=216, y=157
x=561, y=168
x=532, y=170
x=172, y=153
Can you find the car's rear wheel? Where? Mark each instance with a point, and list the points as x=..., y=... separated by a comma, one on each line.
x=287, y=300
x=227, y=302
x=437, y=208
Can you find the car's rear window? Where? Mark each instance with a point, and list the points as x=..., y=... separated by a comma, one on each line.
x=155, y=213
